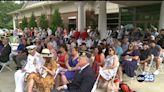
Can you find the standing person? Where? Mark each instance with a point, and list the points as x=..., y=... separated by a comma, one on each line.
x=44, y=82
x=83, y=80
x=5, y=51
x=34, y=63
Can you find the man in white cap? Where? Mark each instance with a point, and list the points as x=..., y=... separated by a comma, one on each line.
x=34, y=63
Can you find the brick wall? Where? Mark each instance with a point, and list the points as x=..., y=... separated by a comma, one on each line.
x=66, y=15
x=49, y=17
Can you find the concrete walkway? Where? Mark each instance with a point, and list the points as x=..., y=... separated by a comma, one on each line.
x=7, y=82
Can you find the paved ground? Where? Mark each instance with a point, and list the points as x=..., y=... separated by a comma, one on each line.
x=7, y=82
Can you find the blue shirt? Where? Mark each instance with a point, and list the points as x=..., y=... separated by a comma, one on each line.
x=21, y=47
x=155, y=51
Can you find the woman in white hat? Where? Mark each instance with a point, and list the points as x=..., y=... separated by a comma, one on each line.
x=44, y=82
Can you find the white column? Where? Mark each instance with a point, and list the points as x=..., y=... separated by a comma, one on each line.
x=81, y=15
x=161, y=19
x=14, y=23
x=102, y=20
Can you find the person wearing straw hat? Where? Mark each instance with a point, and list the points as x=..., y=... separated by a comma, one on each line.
x=43, y=81
x=33, y=65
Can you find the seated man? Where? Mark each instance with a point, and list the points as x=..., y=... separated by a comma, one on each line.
x=83, y=80
x=6, y=50
x=22, y=53
x=145, y=56
x=34, y=63
x=155, y=50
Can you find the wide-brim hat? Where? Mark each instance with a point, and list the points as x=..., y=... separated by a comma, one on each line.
x=46, y=53
x=31, y=47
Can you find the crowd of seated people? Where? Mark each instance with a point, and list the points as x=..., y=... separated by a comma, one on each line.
x=80, y=60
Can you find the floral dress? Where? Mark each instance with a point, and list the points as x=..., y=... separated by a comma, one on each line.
x=43, y=84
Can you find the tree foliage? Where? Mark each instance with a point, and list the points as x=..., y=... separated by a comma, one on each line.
x=24, y=23
x=6, y=7
x=56, y=20
x=32, y=23
x=43, y=22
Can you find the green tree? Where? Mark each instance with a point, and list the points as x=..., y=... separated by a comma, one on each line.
x=5, y=8
x=24, y=23
x=56, y=20
x=43, y=22
x=32, y=23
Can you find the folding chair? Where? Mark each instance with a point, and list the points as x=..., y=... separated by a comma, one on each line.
x=151, y=63
x=95, y=84
x=139, y=69
x=113, y=78
x=57, y=71
x=162, y=60
x=5, y=65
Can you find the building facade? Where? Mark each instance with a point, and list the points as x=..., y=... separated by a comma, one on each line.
x=71, y=11
x=105, y=14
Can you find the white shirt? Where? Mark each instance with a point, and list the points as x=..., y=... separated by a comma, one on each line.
x=82, y=68
x=79, y=42
x=89, y=43
x=55, y=45
x=34, y=62
x=49, y=31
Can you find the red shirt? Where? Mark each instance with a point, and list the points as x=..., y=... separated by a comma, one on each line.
x=62, y=60
x=84, y=35
x=76, y=34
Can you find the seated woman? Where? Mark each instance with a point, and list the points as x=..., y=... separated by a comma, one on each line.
x=129, y=63
x=43, y=81
x=63, y=57
x=72, y=66
x=110, y=67
x=99, y=60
